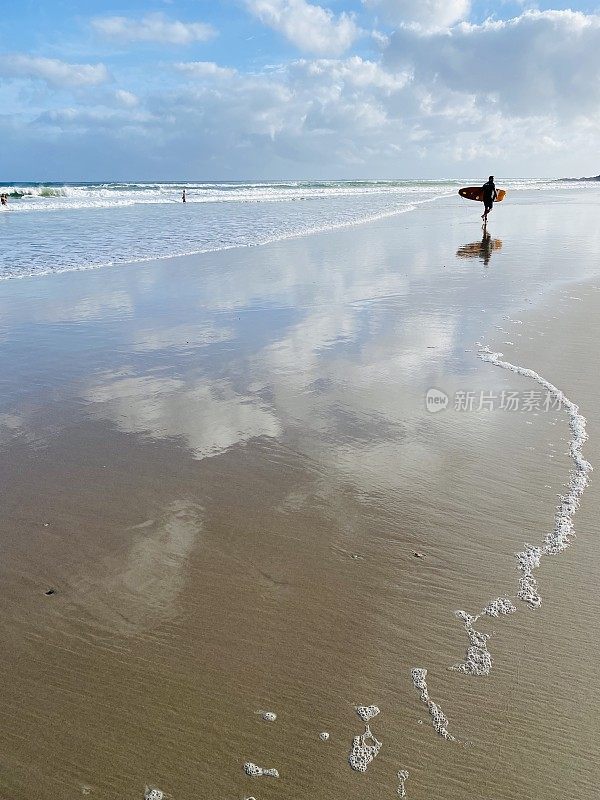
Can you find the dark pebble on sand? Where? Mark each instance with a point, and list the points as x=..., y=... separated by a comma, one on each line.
x=50, y=592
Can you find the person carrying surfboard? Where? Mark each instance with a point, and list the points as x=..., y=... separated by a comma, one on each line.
x=489, y=195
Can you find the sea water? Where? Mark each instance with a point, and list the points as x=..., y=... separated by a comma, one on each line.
x=55, y=227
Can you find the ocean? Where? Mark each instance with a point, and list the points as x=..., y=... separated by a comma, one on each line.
x=58, y=227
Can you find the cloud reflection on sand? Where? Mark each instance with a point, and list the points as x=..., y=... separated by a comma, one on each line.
x=98, y=306
x=209, y=416
x=186, y=335
x=141, y=588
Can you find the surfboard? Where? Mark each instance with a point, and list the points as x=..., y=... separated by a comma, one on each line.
x=476, y=193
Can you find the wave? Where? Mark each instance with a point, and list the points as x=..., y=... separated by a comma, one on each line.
x=41, y=197
x=54, y=269
x=84, y=232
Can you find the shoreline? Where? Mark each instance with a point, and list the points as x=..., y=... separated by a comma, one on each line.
x=372, y=215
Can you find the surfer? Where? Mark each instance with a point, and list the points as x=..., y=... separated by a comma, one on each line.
x=489, y=195
x=4, y=199
x=183, y=200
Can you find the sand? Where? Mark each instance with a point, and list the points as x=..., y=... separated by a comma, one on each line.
x=223, y=466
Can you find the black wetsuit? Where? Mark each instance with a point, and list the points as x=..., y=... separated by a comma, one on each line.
x=489, y=193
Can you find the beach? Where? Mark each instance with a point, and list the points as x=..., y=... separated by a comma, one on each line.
x=223, y=468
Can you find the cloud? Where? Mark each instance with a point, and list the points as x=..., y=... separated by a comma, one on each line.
x=427, y=14
x=153, y=28
x=353, y=72
x=98, y=118
x=541, y=63
x=308, y=27
x=126, y=99
x=204, y=69
x=523, y=93
x=55, y=73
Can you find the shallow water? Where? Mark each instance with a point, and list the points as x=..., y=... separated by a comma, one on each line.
x=94, y=225
x=224, y=466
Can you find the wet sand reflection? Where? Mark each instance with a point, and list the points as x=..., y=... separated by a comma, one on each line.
x=481, y=249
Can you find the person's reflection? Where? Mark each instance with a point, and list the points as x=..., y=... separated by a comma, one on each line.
x=482, y=250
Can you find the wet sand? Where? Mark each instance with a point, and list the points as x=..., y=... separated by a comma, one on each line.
x=223, y=465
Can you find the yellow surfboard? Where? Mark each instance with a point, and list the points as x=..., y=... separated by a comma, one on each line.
x=476, y=193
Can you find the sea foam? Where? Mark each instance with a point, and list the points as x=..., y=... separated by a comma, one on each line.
x=559, y=538
x=438, y=718
x=365, y=746
x=478, y=660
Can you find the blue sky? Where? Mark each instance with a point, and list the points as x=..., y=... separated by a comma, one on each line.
x=189, y=89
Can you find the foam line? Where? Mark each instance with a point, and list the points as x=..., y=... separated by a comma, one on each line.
x=478, y=660
x=402, y=778
x=438, y=718
x=559, y=538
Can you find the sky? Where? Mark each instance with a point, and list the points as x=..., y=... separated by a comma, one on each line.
x=125, y=90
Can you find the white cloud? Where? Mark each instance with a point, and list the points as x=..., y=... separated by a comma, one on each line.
x=126, y=99
x=153, y=28
x=82, y=118
x=523, y=93
x=428, y=14
x=58, y=74
x=354, y=72
x=540, y=63
x=204, y=69
x=309, y=27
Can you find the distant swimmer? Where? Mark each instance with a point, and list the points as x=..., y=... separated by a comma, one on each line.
x=4, y=199
x=489, y=195
x=183, y=200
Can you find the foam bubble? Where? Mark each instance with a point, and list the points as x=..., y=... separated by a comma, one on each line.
x=268, y=716
x=364, y=749
x=478, y=660
x=257, y=772
x=501, y=605
x=367, y=712
x=438, y=718
x=402, y=777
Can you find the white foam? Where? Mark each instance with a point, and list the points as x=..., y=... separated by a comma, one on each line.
x=478, y=660
x=324, y=736
x=226, y=234
x=257, y=772
x=151, y=793
x=367, y=712
x=402, y=778
x=438, y=718
x=365, y=748
x=269, y=716
x=501, y=605
x=559, y=538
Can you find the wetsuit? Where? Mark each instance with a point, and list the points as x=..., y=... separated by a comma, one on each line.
x=489, y=194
